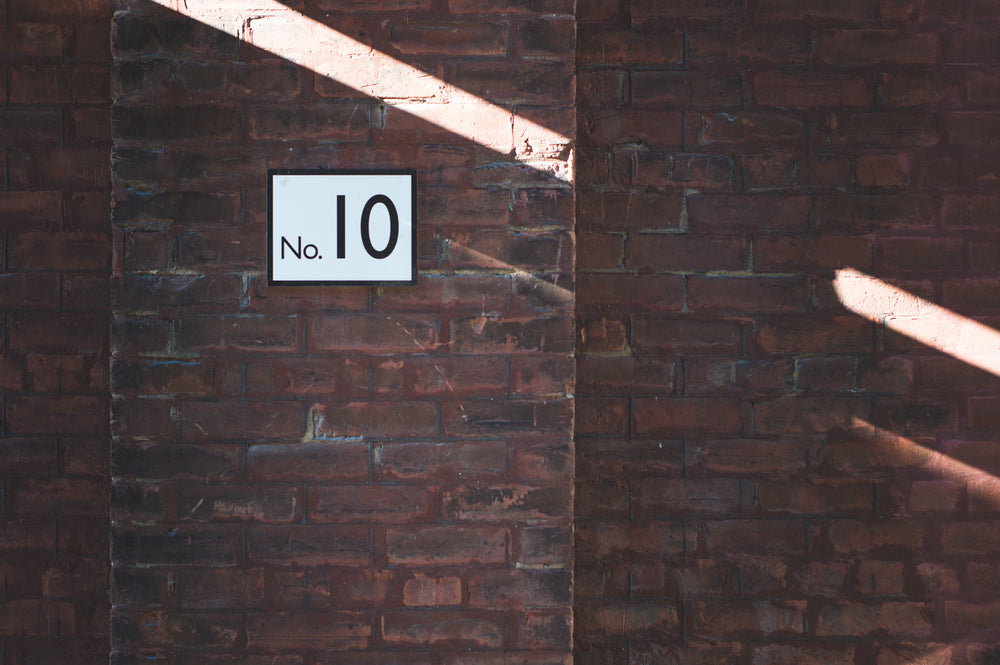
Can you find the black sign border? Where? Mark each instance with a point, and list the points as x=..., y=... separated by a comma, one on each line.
x=271, y=173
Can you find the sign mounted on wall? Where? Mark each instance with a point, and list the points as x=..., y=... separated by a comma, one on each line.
x=340, y=227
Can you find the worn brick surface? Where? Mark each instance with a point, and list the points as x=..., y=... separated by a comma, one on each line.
x=828, y=481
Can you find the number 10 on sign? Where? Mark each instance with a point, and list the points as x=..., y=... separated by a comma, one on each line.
x=341, y=227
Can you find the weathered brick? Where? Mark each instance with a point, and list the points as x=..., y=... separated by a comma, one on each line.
x=297, y=630
x=444, y=629
x=802, y=90
x=445, y=545
x=375, y=419
x=386, y=504
x=381, y=332
x=308, y=545
x=426, y=461
x=208, y=421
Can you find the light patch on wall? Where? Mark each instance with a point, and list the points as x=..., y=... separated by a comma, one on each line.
x=894, y=450
x=919, y=319
x=273, y=27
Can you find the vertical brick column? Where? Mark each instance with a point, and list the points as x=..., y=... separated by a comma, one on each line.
x=54, y=192
x=332, y=474
x=765, y=475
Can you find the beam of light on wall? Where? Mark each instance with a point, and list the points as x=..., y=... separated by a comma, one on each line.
x=900, y=451
x=273, y=27
x=547, y=291
x=919, y=319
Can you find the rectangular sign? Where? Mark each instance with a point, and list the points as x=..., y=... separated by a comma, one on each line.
x=341, y=227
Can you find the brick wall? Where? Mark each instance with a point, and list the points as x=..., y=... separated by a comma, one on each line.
x=54, y=145
x=341, y=475
x=310, y=476
x=764, y=476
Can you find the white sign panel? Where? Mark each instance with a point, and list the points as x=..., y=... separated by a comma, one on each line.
x=341, y=227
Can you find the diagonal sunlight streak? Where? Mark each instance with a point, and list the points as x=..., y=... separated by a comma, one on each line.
x=273, y=27
x=896, y=450
x=919, y=319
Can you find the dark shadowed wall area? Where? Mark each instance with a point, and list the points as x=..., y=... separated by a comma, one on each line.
x=701, y=367
x=54, y=163
x=764, y=474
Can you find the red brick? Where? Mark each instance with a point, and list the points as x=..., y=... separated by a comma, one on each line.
x=345, y=377
x=247, y=332
x=540, y=376
x=31, y=210
x=667, y=416
x=893, y=618
x=883, y=129
x=509, y=7
x=858, y=11
x=864, y=214
x=674, y=253
x=206, y=421
x=219, y=122
x=37, y=617
x=747, y=294
x=58, y=251
x=245, y=504
x=488, y=249
x=683, y=334
x=432, y=461
x=63, y=84
x=451, y=293
x=599, y=373
x=309, y=630
x=685, y=90
x=657, y=498
x=423, y=591
x=620, y=46
x=192, y=292
x=809, y=414
x=506, y=502
x=748, y=456
x=70, y=168
x=447, y=545
x=785, y=654
x=62, y=496
x=62, y=414
x=315, y=461
x=617, y=292
x=30, y=40
x=393, y=505
x=309, y=545
x=731, y=214
x=162, y=545
x=29, y=292
x=487, y=334
x=519, y=588
x=882, y=171
x=802, y=90
x=380, y=332
x=725, y=618
x=870, y=47
x=599, y=251
x=375, y=419
x=154, y=461
x=461, y=38
x=493, y=417
x=448, y=629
